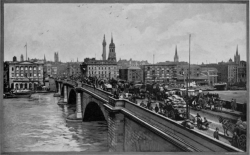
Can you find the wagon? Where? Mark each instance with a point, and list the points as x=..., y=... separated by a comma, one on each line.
x=241, y=136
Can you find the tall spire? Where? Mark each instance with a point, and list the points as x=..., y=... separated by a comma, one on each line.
x=111, y=37
x=237, y=50
x=176, y=58
x=44, y=58
x=176, y=50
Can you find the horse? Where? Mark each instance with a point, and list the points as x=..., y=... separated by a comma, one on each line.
x=227, y=125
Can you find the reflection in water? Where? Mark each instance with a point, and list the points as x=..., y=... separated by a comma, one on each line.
x=38, y=124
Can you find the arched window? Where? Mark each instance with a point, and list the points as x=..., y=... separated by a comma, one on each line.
x=34, y=68
x=30, y=68
x=17, y=68
x=26, y=68
x=21, y=68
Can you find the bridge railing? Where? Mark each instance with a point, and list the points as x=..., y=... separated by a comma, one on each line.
x=98, y=91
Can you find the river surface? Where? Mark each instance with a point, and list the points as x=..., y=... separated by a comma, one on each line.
x=38, y=124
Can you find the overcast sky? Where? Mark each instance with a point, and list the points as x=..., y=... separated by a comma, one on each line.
x=139, y=31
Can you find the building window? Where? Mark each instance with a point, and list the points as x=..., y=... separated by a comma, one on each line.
x=30, y=68
x=34, y=68
x=21, y=68
x=17, y=68
x=26, y=68
x=30, y=74
x=34, y=74
x=39, y=74
x=12, y=68
x=21, y=75
x=17, y=74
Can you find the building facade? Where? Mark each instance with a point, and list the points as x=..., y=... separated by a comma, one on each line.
x=100, y=68
x=211, y=73
x=242, y=71
x=25, y=74
x=124, y=64
x=131, y=74
x=160, y=73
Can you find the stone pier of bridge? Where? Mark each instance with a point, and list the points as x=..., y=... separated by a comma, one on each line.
x=132, y=128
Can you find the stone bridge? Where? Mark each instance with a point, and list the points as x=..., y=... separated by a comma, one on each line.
x=132, y=128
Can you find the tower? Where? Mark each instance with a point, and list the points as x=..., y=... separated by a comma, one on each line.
x=104, y=49
x=44, y=58
x=21, y=59
x=176, y=58
x=237, y=57
x=57, y=55
x=112, y=55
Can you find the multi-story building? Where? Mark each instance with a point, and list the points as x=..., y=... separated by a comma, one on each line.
x=242, y=71
x=160, y=73
x=124, y=64
x=232, y=72
x=25, y=74
x=102, y=69
x=211, y=73
x=6, y=76
x=74, y=68
x=131, y=74
x=195, y=74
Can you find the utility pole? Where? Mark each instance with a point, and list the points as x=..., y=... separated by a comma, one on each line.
x=188, y=78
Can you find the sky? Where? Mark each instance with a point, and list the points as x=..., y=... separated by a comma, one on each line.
x=139, y=31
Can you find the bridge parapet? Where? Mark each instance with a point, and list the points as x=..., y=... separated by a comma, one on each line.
x=187, y=139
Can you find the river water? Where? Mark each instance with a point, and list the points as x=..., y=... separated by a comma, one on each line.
x=38, y=124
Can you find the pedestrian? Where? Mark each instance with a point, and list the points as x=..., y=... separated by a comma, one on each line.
x=156, y=108
x=232, y=104
x=216, y=133
x=235, y=104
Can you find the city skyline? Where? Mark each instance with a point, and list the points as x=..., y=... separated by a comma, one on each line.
x=139, y=31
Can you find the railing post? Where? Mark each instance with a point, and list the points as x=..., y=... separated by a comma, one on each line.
x=78, y=106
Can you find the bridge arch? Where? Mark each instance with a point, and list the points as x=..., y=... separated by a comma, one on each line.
x=72, y=101
x=93, y=112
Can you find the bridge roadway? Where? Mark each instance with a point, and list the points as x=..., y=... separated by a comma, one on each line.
x=132, y=127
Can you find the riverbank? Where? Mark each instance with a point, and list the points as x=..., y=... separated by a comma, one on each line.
x=239, y=95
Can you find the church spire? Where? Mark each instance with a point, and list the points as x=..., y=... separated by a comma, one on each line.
x=176, y=58
x=44, y=58
x=237, y=50
x=111, y=38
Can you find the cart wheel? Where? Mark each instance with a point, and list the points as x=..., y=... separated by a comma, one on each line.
x=242, y=141
x=172, y=114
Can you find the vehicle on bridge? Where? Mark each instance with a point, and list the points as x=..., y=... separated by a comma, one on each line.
x=238, y=130
x=175, y=107
x=108, y=87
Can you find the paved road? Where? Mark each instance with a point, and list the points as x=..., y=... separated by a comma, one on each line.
x=210, y=117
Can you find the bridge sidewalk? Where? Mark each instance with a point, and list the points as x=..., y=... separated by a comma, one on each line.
x=226, y=113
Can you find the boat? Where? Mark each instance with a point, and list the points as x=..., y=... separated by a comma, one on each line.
x=18, y=94
x=220, y=86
